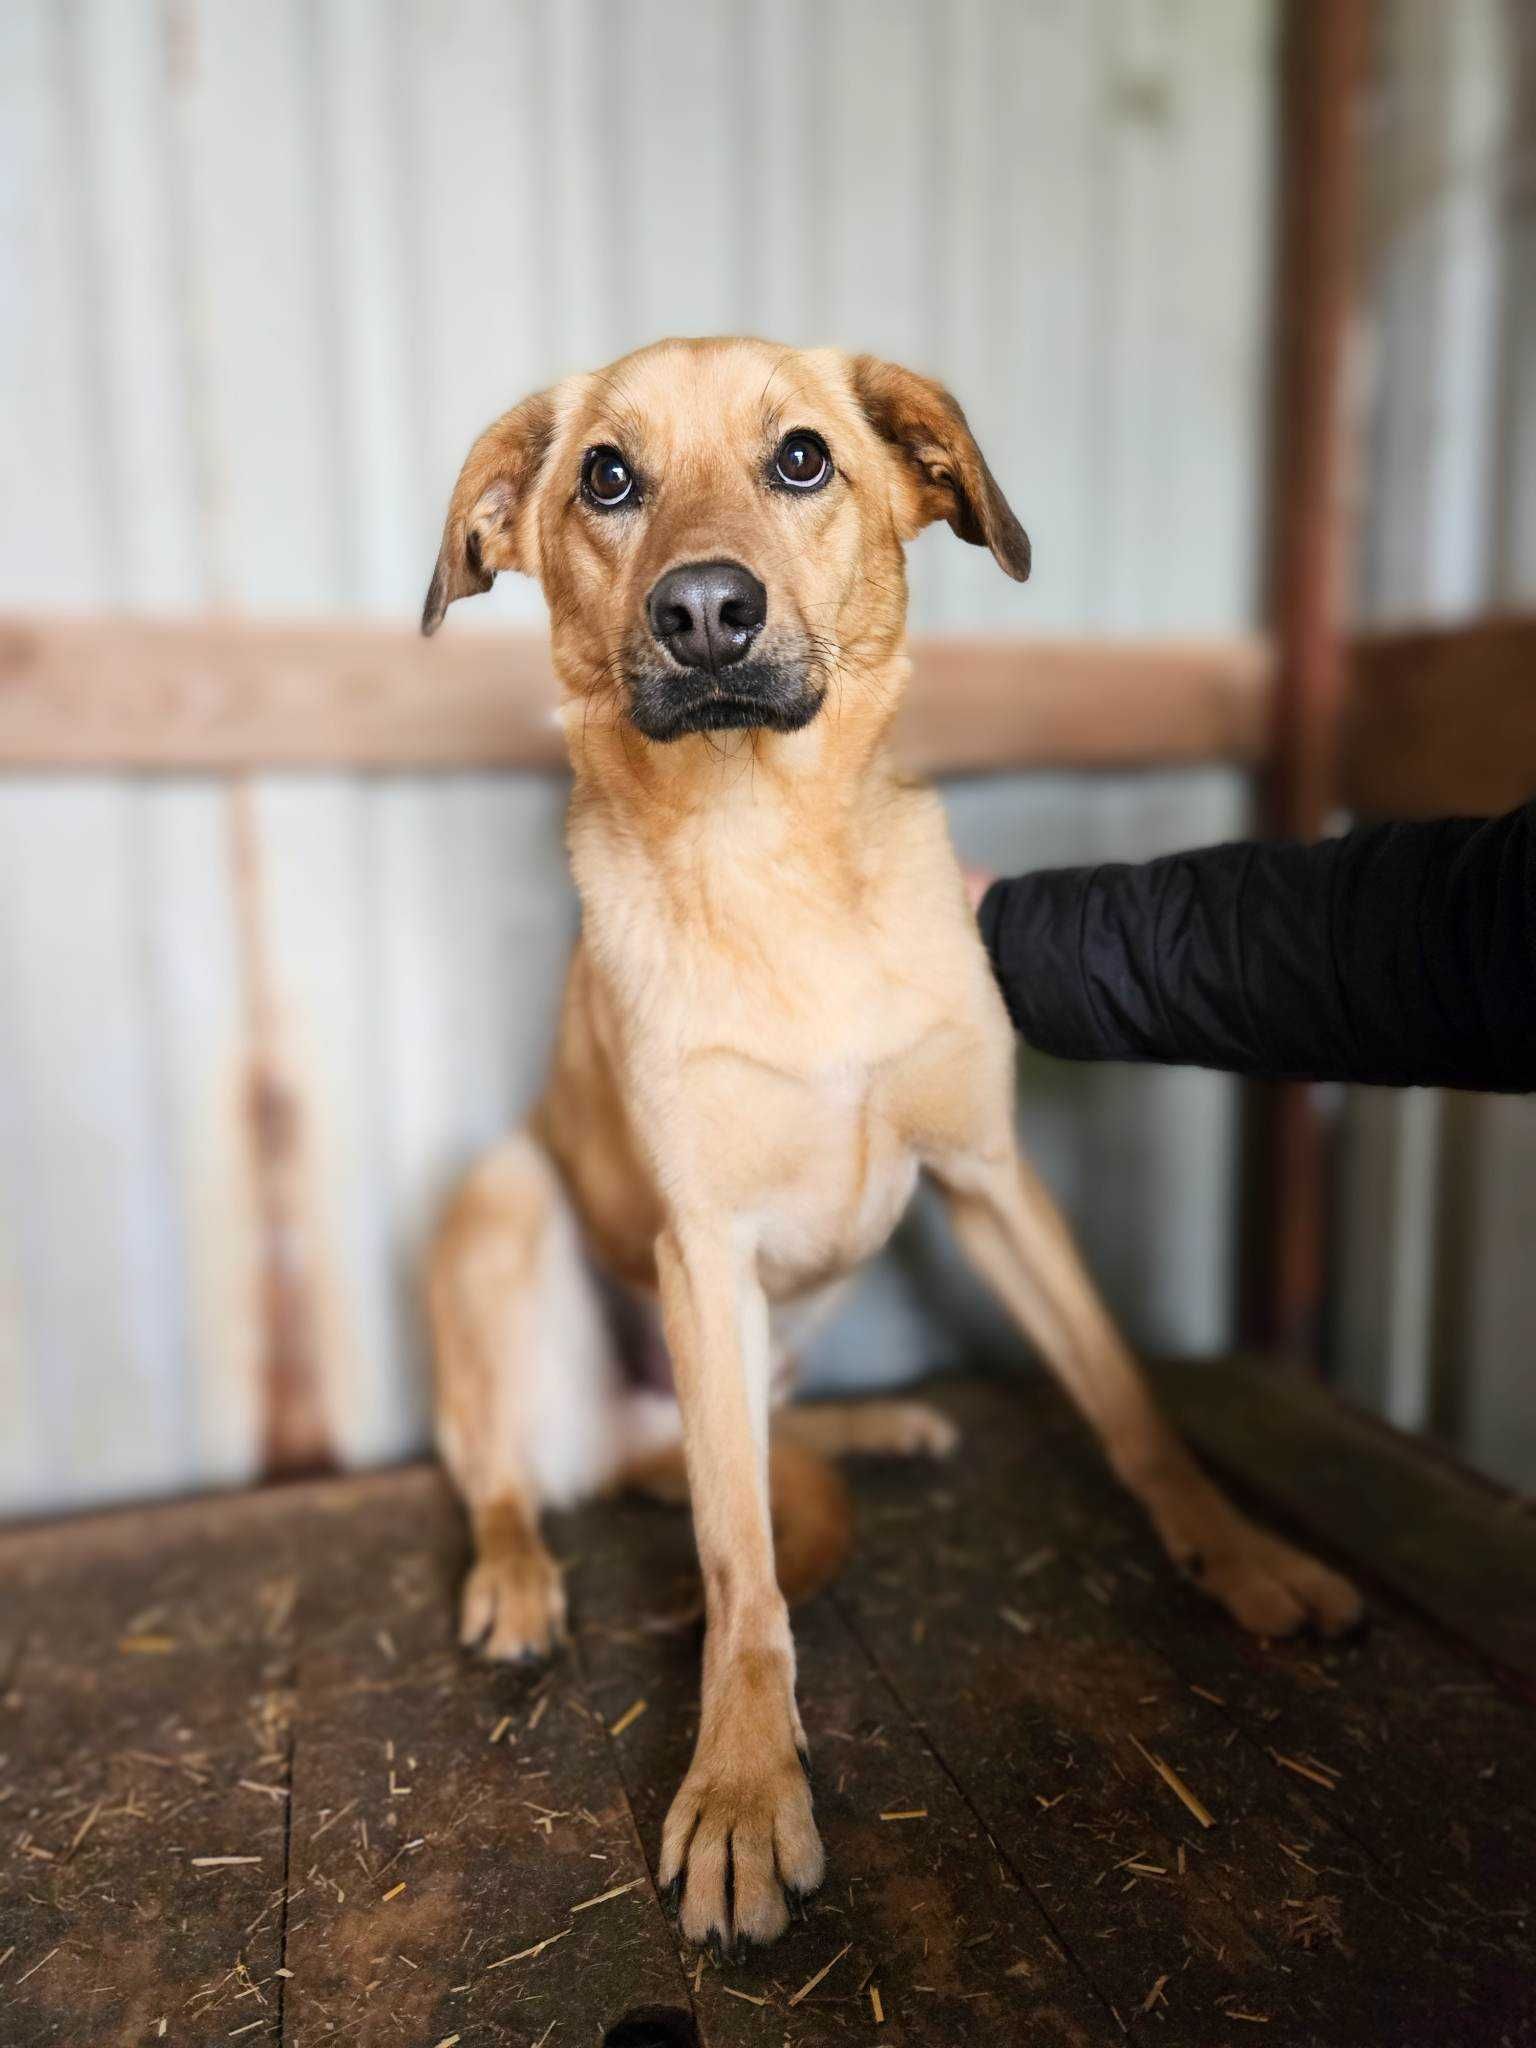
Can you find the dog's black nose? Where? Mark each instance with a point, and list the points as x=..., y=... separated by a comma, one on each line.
x=707, y=614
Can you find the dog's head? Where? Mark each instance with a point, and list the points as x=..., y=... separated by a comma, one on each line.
x=718, y=525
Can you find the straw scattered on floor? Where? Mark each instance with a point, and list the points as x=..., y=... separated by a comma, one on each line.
x=603, y=1897
x=1177, y=1786
x=826, y=1969
x=526, y=1955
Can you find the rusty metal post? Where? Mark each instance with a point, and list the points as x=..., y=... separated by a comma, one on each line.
x=1323, y=59
x=294, y=1429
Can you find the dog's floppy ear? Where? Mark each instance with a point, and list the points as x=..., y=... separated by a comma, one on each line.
x=482, y=531
x=926, y=427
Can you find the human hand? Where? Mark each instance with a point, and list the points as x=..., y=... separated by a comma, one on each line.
x=977, y=882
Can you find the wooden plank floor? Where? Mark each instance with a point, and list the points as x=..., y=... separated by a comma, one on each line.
x=250, y=1790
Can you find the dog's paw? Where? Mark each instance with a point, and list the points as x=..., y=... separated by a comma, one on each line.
x=917, y=1430
x=739, y=1848
x=1274, y=1590
x=513, y=1605
x=1266, y=1586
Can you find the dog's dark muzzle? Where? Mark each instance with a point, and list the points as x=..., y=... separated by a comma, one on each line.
x=769, y=696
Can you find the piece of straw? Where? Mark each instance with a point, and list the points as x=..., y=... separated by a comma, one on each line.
x=1177, y=1786
x=603, y=1897
x=1316, y=1776
x=810, y=1985
x=525, y=1955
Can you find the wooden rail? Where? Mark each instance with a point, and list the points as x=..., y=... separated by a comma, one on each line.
x=1436, y=720
x=223, y=695
x=1442, y=720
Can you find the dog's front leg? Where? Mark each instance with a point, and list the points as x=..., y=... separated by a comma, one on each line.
x=1019, y=1241
x=740, y=1833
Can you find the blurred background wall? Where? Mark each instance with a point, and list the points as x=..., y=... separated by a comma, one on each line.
x=1434, y=1286
x=264, y=271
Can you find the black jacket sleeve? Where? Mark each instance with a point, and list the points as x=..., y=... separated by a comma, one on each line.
x=1400, y=954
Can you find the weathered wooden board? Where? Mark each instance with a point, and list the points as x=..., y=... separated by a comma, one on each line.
x=1411, y=1773
x=145, y=1732
x=127, y=693
x=1453, y=1547
x=985, y=1691
x=1371, y=1798
x=919, y=1904
x=1050, y=1692
x=1438, y=720
x=454, y=1826
x=1442, y=721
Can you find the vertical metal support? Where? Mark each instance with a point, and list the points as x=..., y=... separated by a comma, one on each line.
x=295, y=1437
x=1322, y=66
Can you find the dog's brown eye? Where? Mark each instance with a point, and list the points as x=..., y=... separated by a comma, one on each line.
x=803, y=462
x=606, y=478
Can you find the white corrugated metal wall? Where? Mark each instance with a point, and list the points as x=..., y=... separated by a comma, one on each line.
x=1435, y=1289
x=263, y=272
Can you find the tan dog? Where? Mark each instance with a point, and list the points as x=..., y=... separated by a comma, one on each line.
x=779, y=1014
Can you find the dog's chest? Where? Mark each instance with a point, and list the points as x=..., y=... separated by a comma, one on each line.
x=845, y=1168
x=809, y=1115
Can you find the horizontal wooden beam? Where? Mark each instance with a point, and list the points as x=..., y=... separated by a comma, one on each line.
x=217, y=694
x=978, y=706
x=222, y=694
x=1441, y=721
x=1437, y=720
